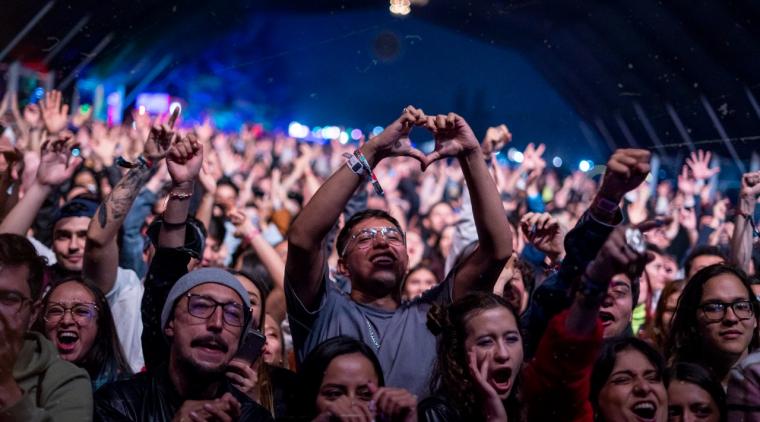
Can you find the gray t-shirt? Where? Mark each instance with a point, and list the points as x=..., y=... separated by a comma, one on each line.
x=404, y=346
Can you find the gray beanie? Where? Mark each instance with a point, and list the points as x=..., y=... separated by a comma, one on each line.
x=203, y=276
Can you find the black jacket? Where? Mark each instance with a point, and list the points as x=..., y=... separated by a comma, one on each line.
x=153, y=398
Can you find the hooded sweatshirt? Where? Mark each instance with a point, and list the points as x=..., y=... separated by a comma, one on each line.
x=53, y=389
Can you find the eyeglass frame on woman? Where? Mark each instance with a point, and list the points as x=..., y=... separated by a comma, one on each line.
x=14, y=296
x=217, y=304
x=724, y=310
x=91, y=306
x=373, y=231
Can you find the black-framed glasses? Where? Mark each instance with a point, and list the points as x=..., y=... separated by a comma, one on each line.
x=366, y=237
x=203, y=307
x=81, y=313
x=12, y=302
x=716, y=311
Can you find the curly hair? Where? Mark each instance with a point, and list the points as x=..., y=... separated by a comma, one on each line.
x=451, y=375
x=684, y=342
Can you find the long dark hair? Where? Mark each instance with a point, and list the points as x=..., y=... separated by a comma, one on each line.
x=314, y=366
x=684, y=342
x=607, y=359
x=451, y=377
x=701, y=377
x=106, y=354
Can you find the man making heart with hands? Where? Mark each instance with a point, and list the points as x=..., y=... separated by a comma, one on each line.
x=373, y=256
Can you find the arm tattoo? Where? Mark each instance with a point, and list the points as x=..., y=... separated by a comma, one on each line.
x=123, y=195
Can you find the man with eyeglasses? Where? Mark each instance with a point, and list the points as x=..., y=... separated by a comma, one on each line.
x=35, y=384
x=204, y=319
x=373, y=256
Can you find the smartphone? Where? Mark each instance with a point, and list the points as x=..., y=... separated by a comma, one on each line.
x=252, y=346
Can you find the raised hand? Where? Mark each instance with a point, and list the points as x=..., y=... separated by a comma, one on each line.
x=688, y=218
x=205, y=131
x=626, y=170
x=206, y=177
x=545, y=233
x=56, y=162
x=393, y=404
x=160, y=138
x=686, y=182
x=32, y=115
x=243, y=224
x=394, y=141
x=699, y=163
x=80, y=118
x=617, y=256
x=496, y=138
x=750, y=185
x=453, y=137
x=54, y=113
x=185, y=158
x=532, y=157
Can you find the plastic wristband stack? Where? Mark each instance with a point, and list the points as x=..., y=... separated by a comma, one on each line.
x=375, y=183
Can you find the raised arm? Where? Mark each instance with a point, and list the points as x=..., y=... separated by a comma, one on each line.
x=306, y=256
x=454, y=138
x=56, y=166
x=269, y=257
x=741, y=241
x=101, y=254
x=184, y=162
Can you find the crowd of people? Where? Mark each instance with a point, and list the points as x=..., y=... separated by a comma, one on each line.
x=157, y=270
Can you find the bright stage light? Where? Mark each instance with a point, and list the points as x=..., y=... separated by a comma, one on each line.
x=585, y=165
x=377, y=130
x=356, y=134
x=297, y=130
x=330, y=132
x=343, y=138
x=173, y=106
x=557, y=162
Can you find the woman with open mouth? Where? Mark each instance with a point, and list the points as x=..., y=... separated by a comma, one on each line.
x=76, y=318
x=715, y=325
x=627, y=383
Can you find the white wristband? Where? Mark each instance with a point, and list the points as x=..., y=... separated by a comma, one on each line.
x=354, y=164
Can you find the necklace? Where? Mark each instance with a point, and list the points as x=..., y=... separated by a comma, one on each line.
x=372, y=335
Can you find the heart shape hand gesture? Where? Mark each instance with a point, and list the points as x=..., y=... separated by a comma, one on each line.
x=453, y=137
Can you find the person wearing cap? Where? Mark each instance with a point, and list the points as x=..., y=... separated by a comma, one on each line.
x=204, y=319
x=101, y=254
